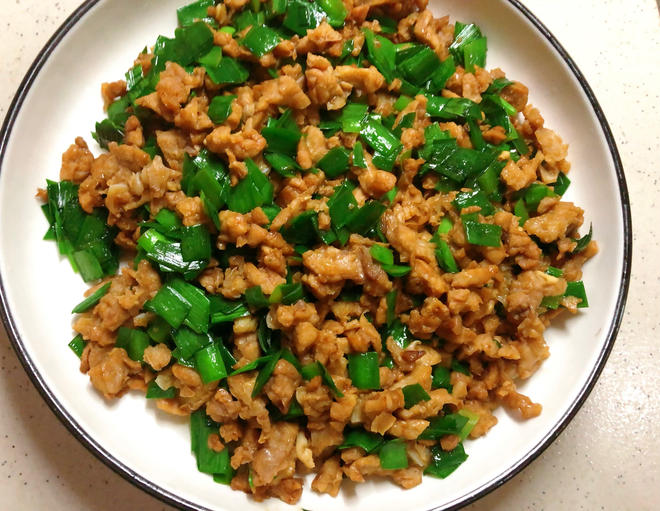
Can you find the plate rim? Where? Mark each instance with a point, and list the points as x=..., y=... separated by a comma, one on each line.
x=170, y=498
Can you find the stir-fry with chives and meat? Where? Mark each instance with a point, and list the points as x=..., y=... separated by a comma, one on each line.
x=342, y=239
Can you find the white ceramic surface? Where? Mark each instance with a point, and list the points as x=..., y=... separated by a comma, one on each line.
x=40, y=288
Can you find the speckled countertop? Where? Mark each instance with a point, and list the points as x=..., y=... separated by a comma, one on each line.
x=608, y=457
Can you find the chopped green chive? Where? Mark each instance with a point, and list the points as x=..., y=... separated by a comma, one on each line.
x=413, y=394
x=393, y=455
x=366, y=440
x=77, y=345
x=220, y=108
x=155, y=392
x=443, y=463
x=363, y=370
x=92, y=299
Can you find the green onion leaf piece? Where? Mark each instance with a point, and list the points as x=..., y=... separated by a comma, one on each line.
x=252, y=191
x=256, y=298
x=583, y=241
x=92, y=299
x=393, y=455
x=260, y=40
x=363, y=370
x=441, y=378
x=265, y=373
x=335, y=162
x=413, y=394
x=485, y=235
x=313, y=369
x=169, y=305
x=220, y=108
x=554, y=272
x=577, y=290
x=382, y=254
x=335, y=10
x=358, y=437
x=210, y=364
x=195, y=243
x=190, y=13
x=155, y=392
x=208, y=461
x=562, y=184
x=390, y=300
x=473, y=198
x=443, y=463
x=133, y=341
x=449, y=424
x=77, y=345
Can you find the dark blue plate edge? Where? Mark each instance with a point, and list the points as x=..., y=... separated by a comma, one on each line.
x=179, y=502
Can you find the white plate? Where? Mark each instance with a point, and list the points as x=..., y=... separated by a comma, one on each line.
x=59, y=99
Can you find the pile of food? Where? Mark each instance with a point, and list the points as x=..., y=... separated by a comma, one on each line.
x=343, y=236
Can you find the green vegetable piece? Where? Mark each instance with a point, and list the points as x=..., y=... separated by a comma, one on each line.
x=363, y=370
x=473, y=198
x=520, y=210
x=256, y=298
x=366, y=218
x=260, y=40
x=440, y=76
x=302, y=16
x=208, y=461
x=225, y=70
x=402, y=102
x=577, y=290
x=382, y=254
x=88, y=265
x=413, y=394
x=169, y=305
x=535, y=193
x=445, y=257
x=302, y=229
x=358, y=156
x=92, y=299
x=283, y=164
x=133, y=341
x=460, y=367
x=314, y=369
x=443, y=463
x=497, y=85
x=265, y=373
x=254, y=190
x=287, y=294
x=451, y=109
x=335, y=10
x=195, y=243
x=584, y=241
x=472, y=419
x=335, y=162
x=77, y=345
x=210, y=364
x=188, y=342
x=562, y=184
x=463, y=35
x=381, y=52
x=474, y=54
x=399, y=333
x=393, y=455
x=441, y=378
x=386, y=145
x=450, y=424
x=198, y=315
x=155, y=392
x=190, y=13
x=220, y=108
x=342, y=204
x=159, y=330
x=358, y=437
x=419, y=68
x=485, y=235
x=353, y=116
x=396, y=270
x=555, y=272
x=224, y=311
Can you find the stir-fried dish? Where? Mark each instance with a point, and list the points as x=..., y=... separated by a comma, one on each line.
x=341, y=240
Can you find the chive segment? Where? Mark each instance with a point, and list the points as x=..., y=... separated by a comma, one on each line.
x=92, y=299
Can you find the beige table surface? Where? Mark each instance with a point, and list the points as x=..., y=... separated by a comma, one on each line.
x=609, y=456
